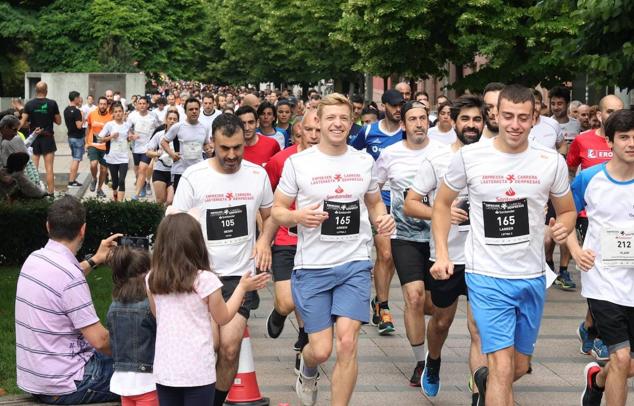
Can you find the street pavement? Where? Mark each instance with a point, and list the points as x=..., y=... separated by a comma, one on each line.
x=386, y=362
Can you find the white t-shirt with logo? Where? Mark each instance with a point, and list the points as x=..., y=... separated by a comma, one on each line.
x=448, y=137
x=144, y=127
x=339, y=183
x=228, y=205
x=547, y=132
x=190, y=139
x=507, y=197
x=119, y=152
x=427, y=182
x=609, y=204
x=397, y=165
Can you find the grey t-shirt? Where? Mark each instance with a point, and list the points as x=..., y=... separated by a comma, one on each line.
x=188, y=143
x=570, y=130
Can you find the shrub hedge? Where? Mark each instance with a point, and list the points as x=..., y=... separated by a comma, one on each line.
x=23, y=225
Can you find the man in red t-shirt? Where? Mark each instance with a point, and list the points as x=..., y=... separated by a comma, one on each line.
x=591, y=147
x=588, y=149
x=285, y=244
x=257, y=149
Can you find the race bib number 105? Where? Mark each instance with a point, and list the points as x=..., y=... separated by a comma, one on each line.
x=227, y=225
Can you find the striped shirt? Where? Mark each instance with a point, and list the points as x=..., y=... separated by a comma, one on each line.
x=52, y=304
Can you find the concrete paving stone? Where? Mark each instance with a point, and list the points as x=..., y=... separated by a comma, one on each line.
x=571, y=372
x=401, y=398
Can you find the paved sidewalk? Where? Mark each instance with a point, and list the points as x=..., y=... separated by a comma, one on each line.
x=386, y=363
x=62, y=163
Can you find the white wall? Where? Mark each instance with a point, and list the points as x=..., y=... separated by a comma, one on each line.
x=61, y=83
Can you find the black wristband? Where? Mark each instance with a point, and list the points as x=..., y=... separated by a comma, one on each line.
x=91, y=262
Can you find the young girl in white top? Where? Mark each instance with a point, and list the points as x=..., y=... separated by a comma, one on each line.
x=116, y=133
x=183, y=293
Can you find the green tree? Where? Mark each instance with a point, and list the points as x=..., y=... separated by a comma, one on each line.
x=117, y=35
x=402, y=37
x=516, y=38
x=246, y=51
x=303, y=43
x=602, y=44
x=282, y=41
x=17, y=25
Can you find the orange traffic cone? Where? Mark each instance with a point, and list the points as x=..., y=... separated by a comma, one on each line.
x=245, y=390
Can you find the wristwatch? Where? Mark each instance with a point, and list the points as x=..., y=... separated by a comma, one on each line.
x=91, y=261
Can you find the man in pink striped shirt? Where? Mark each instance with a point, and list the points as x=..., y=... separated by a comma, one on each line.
x=61, y=346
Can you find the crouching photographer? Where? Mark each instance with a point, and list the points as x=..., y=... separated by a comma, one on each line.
x=62, y=349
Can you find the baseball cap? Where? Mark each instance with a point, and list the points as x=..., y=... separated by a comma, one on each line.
x=412, y=104
x=392, y=97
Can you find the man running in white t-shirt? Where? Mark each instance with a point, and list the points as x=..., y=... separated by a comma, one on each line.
x=230, y=192
x=509, y=182
x=142, y=125
x=606, y=192
x=468, y=113
x=208, y=113
x=332, y=187
x=190, y=138
x=397, y=166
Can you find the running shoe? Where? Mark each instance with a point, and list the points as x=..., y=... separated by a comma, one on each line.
x=430, y=381
x=565, y=282
x=586, y=342
x=386, y=326
x=480, y=378
x=599, y=350
x=376, y=315
x=418, y=372
x=100, y=193
x=74, y=184
x=93, y=185
x=148, y=189
x=142, y=193
x=134, y=198
x=591, y=396
x=275, y=324
x=306, y=387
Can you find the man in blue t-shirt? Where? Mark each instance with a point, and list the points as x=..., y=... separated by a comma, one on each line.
x=374, y=138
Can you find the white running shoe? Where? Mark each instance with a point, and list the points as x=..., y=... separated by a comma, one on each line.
x=305, y=387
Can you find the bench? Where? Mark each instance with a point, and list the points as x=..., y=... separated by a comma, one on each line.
x=30, y=400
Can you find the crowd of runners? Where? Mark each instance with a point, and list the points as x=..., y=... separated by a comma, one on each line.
x=331, y=194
